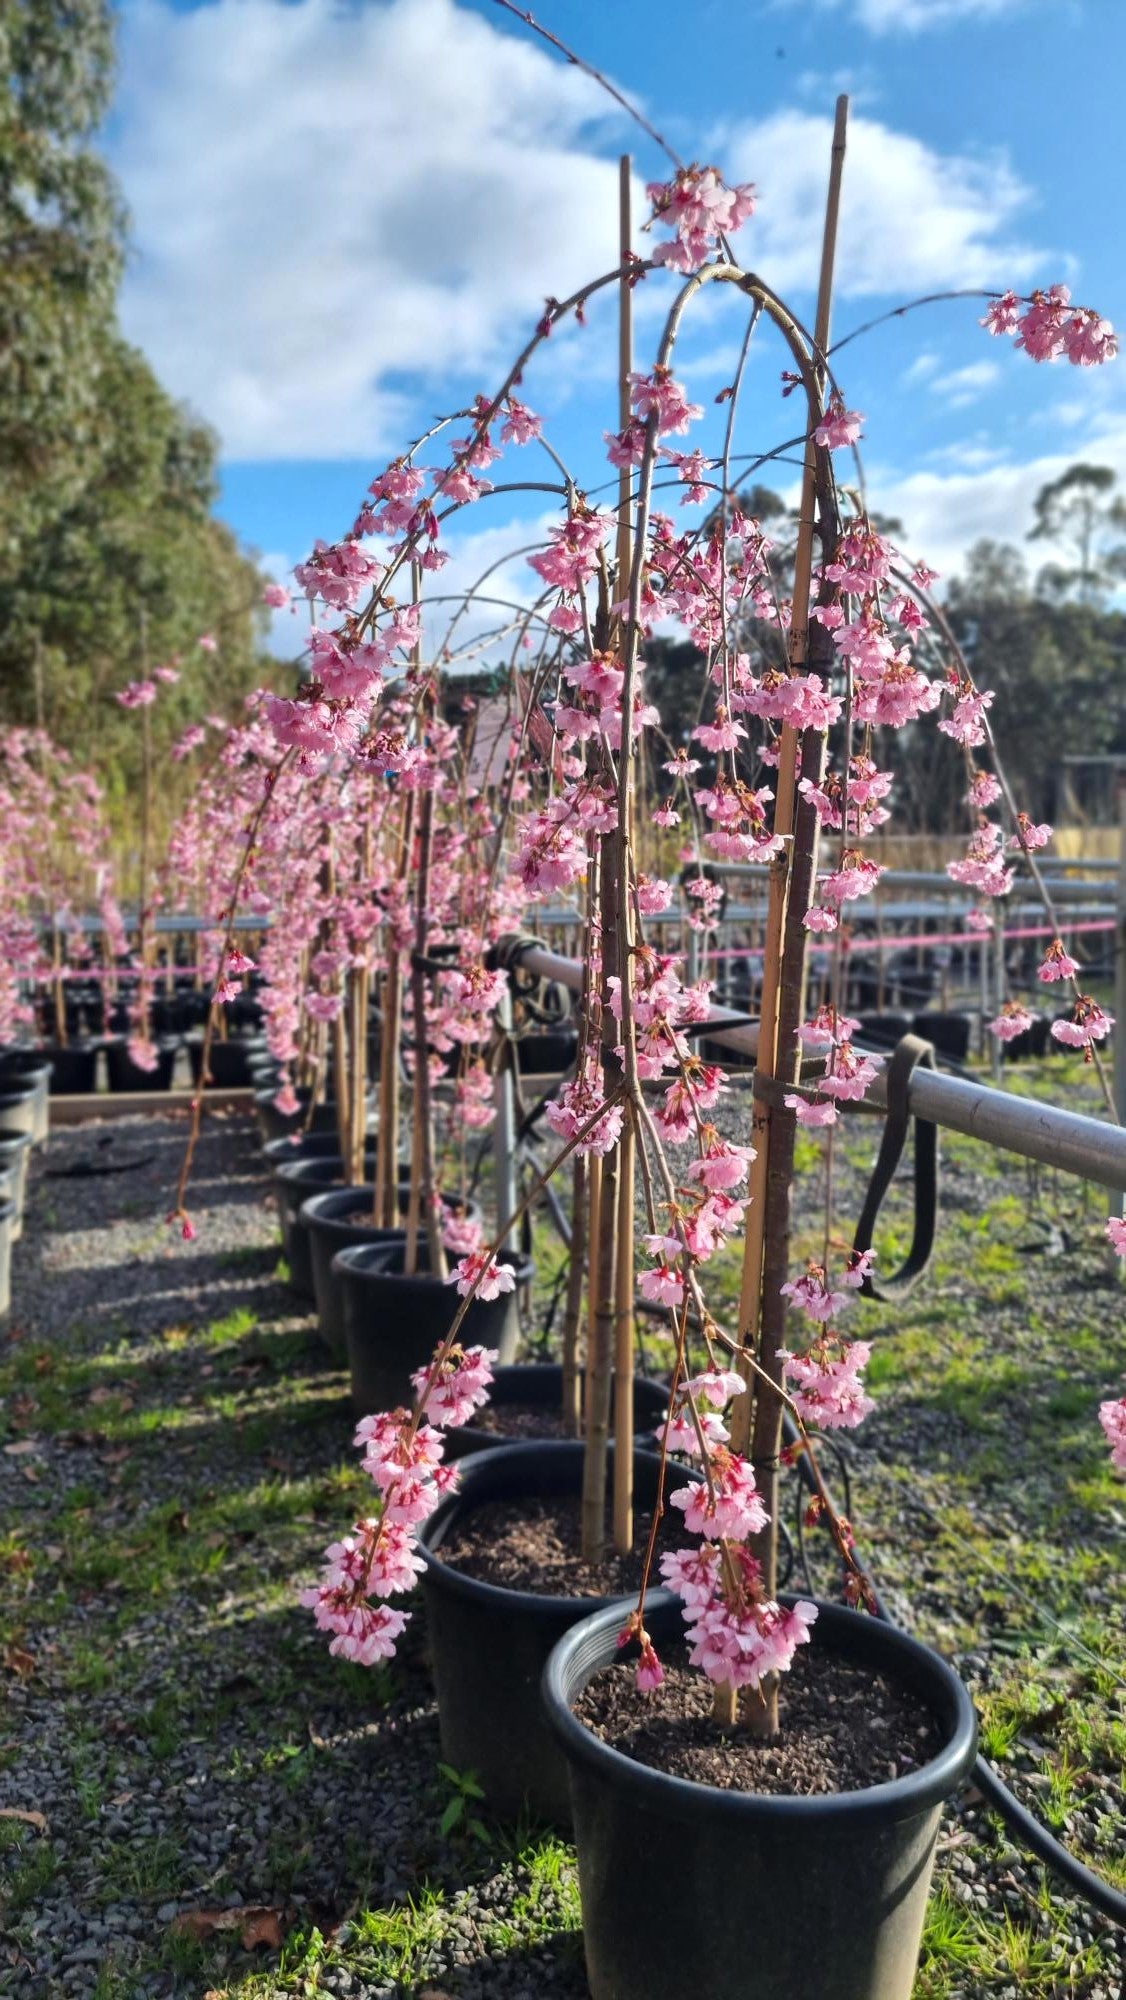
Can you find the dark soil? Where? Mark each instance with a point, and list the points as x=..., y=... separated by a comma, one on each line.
x=520, y=1420
x=843, y=1729
x=537, y=1545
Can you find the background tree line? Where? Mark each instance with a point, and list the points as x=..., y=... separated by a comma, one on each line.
x=1049, y=642
x=110, y=557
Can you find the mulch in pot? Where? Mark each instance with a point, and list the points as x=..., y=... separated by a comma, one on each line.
x=844, y=1728
x=536, y=1545
x=520, y=1420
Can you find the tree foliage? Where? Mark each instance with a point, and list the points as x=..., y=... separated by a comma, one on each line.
x=110, y=557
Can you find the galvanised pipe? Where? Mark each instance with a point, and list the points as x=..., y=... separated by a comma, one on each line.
x=1087, y=1147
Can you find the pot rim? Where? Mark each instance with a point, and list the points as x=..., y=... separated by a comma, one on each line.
x=475, y=1467
x=351, y=1262
x=893, y=1799
x=313, y=1209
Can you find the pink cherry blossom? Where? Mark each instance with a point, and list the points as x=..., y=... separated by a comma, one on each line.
x=1112, y=1417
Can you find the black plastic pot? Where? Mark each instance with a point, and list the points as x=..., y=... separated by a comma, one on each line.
x=949, y=1033
x=19, y=1109
x=15, y=1152
x=816, y=1898
x=125, y=1074
x=275, y=1124
x=538, y=1385
x=302, y=1146
x=295, y=1179
x=7, y=1218
x=545, y=1053
x=489, y=1647
x=230, y=1063
x=74, y=1068
x=392, y=1323
x=883, y=1031
x=328, y=1220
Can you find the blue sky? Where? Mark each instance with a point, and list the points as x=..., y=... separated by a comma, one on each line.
x=346, y=217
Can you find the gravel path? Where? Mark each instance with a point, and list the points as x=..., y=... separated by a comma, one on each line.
x=219, y=1809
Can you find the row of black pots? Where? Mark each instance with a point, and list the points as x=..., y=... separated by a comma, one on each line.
x=339, y=1219
x=508, y=1666
x=779, y=1898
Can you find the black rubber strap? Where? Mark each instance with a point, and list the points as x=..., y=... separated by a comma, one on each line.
x=909, y=1053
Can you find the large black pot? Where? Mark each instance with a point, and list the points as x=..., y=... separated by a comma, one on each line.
x=7, y=1218
x=948, y=1033
x=489, y=1647
x=392, y=1323
x=231, y=1064
x=817, y=1898
x=74, y=1068
x=546, y=1052
x=538, y=1385
x=124, y=1074
x=328, y=1220
x=15, y=1152
x=296, y=1177
x=19, y=1109
x=275, y=1124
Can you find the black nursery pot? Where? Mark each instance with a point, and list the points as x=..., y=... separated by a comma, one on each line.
x=330, y=1223
x=7, y=1219
x=538, y=1385
x=776, y=1898
x=393, y=1323
x=489, y=1647
x=230, y=1063
x=125, y=1074
x=275, y=1124
x=74, y=1068
x=295, y=1179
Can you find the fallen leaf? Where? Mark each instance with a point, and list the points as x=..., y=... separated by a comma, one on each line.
x=29, y=1472
x=18, y=1661
x=44, y=1364
x=255, y=1923
x=35, y=1819
x=18, y=1559
x=116, y=1457
x=265, y=1928
x=25, y=1444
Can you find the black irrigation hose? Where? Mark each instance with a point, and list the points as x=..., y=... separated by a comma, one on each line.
x=1093, y=1889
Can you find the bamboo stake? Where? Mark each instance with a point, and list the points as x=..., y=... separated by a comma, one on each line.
x=624, y=1270
x=769, y=1050
x=766, y=1058
x=575, y=1273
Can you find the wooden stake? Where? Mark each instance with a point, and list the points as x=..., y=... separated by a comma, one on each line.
x=626, y=1166
x=760, y=1212
x=572, y=1413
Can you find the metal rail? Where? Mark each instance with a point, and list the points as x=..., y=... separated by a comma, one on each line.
x=1065, y=1139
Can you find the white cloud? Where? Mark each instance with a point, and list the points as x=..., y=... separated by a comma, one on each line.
x=912, y=219
x=965, y=385
x=329, y=202
x=913, y=17
x=945, y=512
